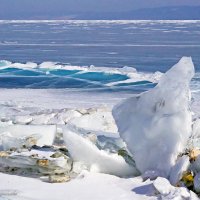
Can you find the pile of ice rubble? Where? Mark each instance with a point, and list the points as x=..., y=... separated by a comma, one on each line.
x=158, y=139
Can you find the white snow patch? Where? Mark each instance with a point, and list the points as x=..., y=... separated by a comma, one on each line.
x=88, y=186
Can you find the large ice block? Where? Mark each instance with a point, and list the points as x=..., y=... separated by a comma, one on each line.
x=156, y=124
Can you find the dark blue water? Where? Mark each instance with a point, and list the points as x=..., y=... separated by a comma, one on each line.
x=148, y=46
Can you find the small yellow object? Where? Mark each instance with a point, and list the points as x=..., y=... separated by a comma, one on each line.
x=4, y=154
x=43, y=162
x=188, y=179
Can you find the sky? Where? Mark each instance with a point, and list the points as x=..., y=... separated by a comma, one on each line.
x=32, y=7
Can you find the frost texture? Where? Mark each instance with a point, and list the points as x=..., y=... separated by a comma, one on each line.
x=157, y=124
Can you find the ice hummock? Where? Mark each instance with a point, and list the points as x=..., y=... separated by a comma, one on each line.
x=156, y=124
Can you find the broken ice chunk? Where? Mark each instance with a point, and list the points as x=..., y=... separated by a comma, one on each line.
x=156, y=125
x=22, y=120
x=84, y=151
x=43, y=160
x=9, y=142
x=163, y=186
x=44, y=134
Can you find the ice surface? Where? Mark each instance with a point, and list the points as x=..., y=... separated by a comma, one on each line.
x=96, y=120
x=157, y=124
x=44, y=134
x=125, y=72
x=85, y=22
x=96, y=160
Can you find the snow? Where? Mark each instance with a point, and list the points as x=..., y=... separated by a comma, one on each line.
x=96, y=160
x=37, y=99
x=91, y=186
x=156, y=125
x=86, y=186
x=162, y=185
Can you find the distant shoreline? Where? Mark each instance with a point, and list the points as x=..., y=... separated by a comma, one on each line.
x=91, y=21
x=157, y=13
